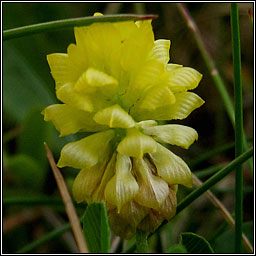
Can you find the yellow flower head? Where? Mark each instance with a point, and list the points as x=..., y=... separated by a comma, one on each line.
x=116, y=81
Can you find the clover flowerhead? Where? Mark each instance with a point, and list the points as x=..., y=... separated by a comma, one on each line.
x=116, y=82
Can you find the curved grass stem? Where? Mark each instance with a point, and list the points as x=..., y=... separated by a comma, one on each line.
x=69, y=23
x=218, y=80
x=234, y=13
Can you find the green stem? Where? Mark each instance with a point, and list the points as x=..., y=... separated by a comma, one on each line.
x=213, y=71
x=238, y=123
x=141, y=242
x=206, y=185
x=69, y=23
x=19, y=200
x=214, y=179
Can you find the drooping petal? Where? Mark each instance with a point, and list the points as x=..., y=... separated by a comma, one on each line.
x=151, y=222
x=133, y=213
x=171, y=167
x=183, y=79
x=120, y=226
x=123, y=186
x=173, y=134
x=168, y=208
x=157, y=96
x=153, y=190
x=108, y=174
x=69, y=120
x=185, y=103
x=87, y=181
x=136, y=144
x=86, y=152
x=160, y=50
x=67, y=95
x=114, y=116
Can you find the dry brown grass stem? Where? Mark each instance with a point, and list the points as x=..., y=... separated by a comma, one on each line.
x=70, y=209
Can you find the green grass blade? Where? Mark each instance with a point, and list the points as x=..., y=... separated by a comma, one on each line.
x=69, y=23
x=214, y=179
x=238, y=123
x=214, y=72
x=96, y=228
x=55, y=233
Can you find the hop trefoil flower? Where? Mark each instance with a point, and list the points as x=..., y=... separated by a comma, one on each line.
x=116, y=82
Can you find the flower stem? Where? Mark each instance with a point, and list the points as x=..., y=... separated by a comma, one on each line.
x=141, y=241
x=69, y=23
x=238, y=124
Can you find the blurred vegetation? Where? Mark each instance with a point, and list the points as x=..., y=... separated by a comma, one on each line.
x=28, y=88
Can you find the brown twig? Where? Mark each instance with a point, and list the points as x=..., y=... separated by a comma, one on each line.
x=224, y=212
x=70, y=209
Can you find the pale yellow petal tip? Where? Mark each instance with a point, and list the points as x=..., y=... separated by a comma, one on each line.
x=97, y=14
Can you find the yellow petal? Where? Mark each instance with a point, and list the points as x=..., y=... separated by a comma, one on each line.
x=160, y=50
x=69, y=120
x=67, y=95
x=153, y=190
x=114, y=116
x=61, y=68
x=87, y=181
x=171, y=66
x=171, y=167
x=86, y=152
x=149, y=74
x=136, y=144
x=183, y=79
x=173, y=134
x=185, y=103
x=146, y=123
x=123, y=186
x=92, y=79
x=156, y=97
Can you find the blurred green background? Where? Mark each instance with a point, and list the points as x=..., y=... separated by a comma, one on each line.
x=28, y=88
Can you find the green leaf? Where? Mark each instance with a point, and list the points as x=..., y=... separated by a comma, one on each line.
x=35, y=131
x=26, y=171
x=177, y=248
x=229, y=237
x=22, y=87
x=141, y=242
x=195, y=243
x=96, y=228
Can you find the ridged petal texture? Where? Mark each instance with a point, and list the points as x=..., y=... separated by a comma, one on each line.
x=114, y=117
x=173, y=134
x=123, y=186
x=136, y=144
x=86, y=152
x=171, y=167
x=115, y=82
